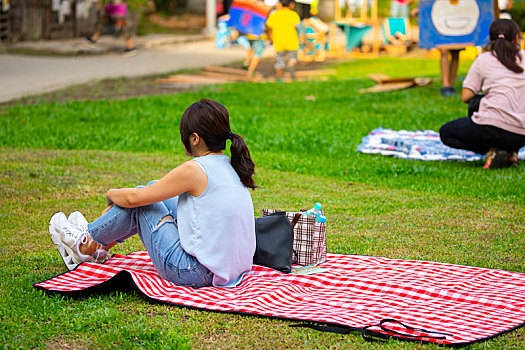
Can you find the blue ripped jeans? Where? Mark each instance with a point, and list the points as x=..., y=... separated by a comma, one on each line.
x=161, y=241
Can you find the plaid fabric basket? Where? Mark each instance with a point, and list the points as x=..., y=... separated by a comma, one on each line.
x=309, y=242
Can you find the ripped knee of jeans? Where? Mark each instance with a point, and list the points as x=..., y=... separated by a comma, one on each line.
x=166, y=218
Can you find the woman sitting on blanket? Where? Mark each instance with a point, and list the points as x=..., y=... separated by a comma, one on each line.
x=196, y=223
x=497, y=129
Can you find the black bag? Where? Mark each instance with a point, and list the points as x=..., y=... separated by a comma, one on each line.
x=274, y=241
x=473, y=104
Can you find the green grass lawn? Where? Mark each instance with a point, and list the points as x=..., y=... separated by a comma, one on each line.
x=64, y=156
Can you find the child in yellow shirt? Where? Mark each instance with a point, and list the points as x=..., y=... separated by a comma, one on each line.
x=282, y=30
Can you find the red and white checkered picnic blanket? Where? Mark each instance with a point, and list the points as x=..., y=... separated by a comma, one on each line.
x=466, y=303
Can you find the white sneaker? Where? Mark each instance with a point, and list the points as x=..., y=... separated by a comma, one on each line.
x=68, y=238
x=56, y=239
x=77, y=220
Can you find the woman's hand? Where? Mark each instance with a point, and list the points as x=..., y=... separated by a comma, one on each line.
x=107, y=209
x=109, y=202
x=188, y=177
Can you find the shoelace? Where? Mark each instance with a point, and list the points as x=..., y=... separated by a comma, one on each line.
x=100, y=254
x=67, y=232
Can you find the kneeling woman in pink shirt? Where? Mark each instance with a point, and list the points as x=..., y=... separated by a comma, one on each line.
x=497, y=129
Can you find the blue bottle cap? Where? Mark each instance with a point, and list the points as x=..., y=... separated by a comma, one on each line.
x=318, y=206
x=321, y=218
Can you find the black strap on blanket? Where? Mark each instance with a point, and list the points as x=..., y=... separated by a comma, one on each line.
x=366, y=332
x=374, y=336
x=325, y=328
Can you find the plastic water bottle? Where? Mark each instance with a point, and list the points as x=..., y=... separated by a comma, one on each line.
x=316, y=212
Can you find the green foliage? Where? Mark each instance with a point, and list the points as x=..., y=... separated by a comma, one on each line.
x=383, y=8
x=137, y=5
x=518, y=13
x=171, y=6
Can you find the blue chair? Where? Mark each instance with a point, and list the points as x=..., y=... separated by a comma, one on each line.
x=354, y=34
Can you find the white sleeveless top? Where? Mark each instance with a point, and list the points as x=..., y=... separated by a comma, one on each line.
x=218, y=227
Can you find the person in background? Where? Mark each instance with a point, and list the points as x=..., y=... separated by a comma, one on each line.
x=448, y=63
x=497, y=129
x=255, y=52
x=257, y=44
x=226, y=4
x=504, y=9
x=400, y=8
x=113, y=13
x=282, y=31
x=303, y=8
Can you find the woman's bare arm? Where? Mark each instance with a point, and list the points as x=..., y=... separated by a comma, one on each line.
x=467, y=94
x=187, y=177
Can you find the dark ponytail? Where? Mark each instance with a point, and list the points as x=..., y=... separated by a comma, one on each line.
x=211, y=121
x=503, y=33
x=241, y=161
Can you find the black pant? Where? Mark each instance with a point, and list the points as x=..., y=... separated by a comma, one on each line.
x=463, y=133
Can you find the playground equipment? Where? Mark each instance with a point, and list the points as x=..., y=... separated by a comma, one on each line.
x=385, y=84
x=313, y=39
x=355, y=18
x=396, y=32
x=471, y=19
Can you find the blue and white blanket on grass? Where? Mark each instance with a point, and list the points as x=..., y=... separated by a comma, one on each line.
x=420, y=145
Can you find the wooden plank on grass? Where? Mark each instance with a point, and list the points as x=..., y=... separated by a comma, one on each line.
x=189, y=79
x=388, y=87
x=385, y=79
x=226, y=76
x=225, y=70
x=310, y=73
x=423, y=81
x=195, y=78
x=378, y=77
